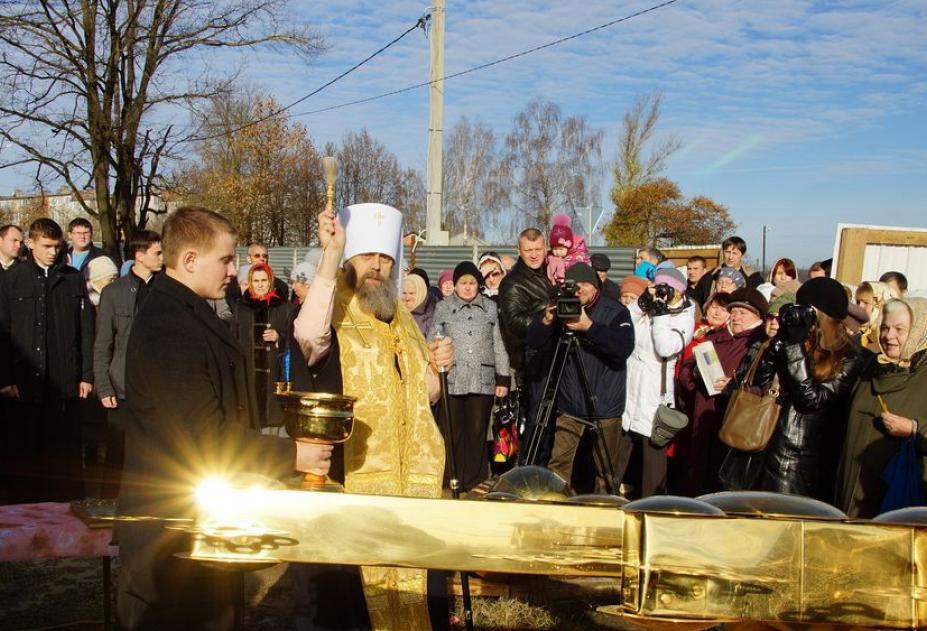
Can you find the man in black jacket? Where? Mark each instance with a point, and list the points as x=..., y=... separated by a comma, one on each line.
x=605, y=337
x=46, y=342
x=119, y=303
x=523, y=295
x=601, y=264
x=11, y=241
x=192, y=416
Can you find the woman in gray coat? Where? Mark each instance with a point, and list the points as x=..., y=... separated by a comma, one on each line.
x=480, y=370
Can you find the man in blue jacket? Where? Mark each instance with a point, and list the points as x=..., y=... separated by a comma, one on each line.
x=605, y=339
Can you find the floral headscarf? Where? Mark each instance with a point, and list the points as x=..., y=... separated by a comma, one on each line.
x=917, y=337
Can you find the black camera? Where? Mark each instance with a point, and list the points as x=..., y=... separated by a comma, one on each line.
x=656, y=302
x=566, y=298
x=797, y=317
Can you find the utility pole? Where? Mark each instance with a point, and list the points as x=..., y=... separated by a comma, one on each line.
x=434, y=175
x=765, y=230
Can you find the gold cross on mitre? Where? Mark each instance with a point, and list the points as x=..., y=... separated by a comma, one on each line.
x=379, y=216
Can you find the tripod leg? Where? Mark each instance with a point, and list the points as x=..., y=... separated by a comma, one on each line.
x=548, y=400
x=603, y=457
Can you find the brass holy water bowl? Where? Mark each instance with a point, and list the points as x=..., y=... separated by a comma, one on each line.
x=316, y=417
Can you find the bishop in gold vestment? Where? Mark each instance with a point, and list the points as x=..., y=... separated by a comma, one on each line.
x=396, y=447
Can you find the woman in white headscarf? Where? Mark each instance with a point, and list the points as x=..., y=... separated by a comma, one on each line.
x=888, y=407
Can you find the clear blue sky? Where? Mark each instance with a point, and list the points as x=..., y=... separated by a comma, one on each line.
x=792, y=113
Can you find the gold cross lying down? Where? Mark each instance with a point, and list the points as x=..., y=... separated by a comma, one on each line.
x=676, y=570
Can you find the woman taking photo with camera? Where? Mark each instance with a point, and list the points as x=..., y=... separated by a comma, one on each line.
x=889, y=407
x=663, y=321
x=818, y=366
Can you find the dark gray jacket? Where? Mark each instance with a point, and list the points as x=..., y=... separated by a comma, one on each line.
x=114, y=321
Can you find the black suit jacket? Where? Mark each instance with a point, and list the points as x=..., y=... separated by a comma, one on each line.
x=191, y=406
x=46, y=331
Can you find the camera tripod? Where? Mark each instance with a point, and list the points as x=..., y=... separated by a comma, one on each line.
x=567, y=346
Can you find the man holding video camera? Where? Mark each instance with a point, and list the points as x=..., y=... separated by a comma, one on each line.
x=605, y=337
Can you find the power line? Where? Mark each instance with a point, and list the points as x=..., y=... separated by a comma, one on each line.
x=496, y=62
x=421, y=23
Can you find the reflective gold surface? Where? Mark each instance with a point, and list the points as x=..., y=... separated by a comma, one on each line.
x=316, y=416
x=677, y=569
x=593, y=499
x=771, y=505
x=511, y=537
x=532, y=484
x=673, y=505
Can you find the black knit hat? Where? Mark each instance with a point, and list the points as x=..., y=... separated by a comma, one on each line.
x=827, y=294
x=582, y=273
x=600, y=262
x=420, y=272
x=467, y=268
x=749, y=298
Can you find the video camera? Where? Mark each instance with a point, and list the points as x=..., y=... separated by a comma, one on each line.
x=566, y=297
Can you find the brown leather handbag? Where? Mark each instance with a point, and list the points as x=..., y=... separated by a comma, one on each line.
x=750, y=419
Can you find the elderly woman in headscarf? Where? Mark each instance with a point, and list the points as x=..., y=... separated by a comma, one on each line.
x=872, y=296
x=419, y=301
x=888, y=408
x=262, y=318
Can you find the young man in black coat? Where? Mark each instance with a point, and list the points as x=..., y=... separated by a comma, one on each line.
x=192, y=416
x=46, y=342
x=604, y=340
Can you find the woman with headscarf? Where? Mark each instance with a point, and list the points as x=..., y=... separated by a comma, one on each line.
x=262, y=318
x=818, y=365
x=480, y=371
x=871, y=296
x=419, y=301
x=888, y=407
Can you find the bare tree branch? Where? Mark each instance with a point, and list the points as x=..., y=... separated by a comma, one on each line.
x=82, y=85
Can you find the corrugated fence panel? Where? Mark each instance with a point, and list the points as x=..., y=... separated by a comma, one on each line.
x=435, y=259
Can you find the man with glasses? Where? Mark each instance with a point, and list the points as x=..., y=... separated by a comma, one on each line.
x=82, y=250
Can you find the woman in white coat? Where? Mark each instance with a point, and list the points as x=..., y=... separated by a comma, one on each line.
x=664, y=320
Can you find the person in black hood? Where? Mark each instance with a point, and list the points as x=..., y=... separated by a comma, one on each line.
x=262, y=317
x=523, y=295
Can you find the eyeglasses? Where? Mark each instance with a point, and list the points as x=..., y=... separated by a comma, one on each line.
x=492, y=274
x=259, y=255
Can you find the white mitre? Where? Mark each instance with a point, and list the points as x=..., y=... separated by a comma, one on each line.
x=373, y=228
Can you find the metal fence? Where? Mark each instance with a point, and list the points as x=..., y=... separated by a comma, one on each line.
x=436, y=259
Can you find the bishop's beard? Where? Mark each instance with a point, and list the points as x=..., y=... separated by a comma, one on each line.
x=380, y=299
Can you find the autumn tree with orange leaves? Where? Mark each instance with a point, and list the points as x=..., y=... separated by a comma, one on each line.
x=650, y=209
x=656, y=213
x=259, y=169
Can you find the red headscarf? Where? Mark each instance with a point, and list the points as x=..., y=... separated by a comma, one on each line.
x=272, y=293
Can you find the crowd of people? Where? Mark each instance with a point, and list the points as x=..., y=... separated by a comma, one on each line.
x=179, y=351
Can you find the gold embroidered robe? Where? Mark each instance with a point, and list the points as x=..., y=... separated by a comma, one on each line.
x=396, y=447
